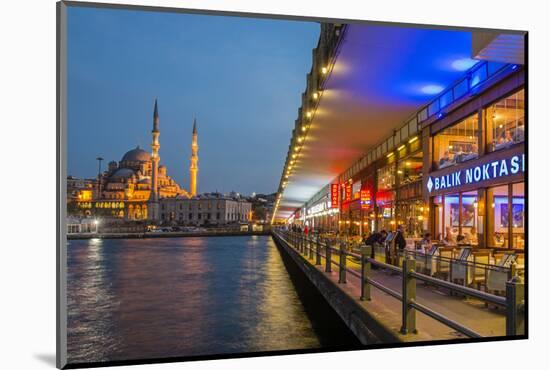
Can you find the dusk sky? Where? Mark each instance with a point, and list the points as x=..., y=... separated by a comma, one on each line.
x=241, y=78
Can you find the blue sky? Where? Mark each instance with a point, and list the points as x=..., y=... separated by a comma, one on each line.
x=241, y=78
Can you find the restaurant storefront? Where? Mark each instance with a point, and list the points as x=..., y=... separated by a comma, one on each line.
x=476, y=170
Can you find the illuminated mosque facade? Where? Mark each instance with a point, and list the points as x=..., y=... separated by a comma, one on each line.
x=133, y=188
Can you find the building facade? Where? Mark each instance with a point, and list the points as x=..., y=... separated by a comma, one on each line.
x=205, y=210
x=132, y=188
x=456, y=167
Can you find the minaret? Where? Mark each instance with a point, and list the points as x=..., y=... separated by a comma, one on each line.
x=155, y=146
x=194, y=168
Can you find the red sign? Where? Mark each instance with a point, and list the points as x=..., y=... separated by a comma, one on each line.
x=348, y=192
x=384, y=197
x=366, y=199
x=334, y=195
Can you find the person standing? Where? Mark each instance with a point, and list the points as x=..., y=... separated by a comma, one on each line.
x=400, y=241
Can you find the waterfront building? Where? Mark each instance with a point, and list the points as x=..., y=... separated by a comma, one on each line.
x=132, y=188
x=455, y=164
x=475, y=163
x=208, y=209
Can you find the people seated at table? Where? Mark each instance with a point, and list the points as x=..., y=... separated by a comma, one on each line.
x=519, y=134
x=504, y=140
x=467, y=155
x=499, y=239
x=447, y=159
x=450, y=238
x=471, y=237
x=426, y=243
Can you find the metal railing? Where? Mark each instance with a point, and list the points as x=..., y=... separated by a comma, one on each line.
x=513, y=301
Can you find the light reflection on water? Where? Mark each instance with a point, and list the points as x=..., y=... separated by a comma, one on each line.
x=166, y=297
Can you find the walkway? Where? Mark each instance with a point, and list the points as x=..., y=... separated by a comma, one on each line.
x=469, y=312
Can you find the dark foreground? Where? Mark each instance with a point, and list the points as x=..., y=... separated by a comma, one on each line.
x=175, y=297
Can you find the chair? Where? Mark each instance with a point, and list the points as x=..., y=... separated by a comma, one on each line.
x=443, y=262
x=481, y=260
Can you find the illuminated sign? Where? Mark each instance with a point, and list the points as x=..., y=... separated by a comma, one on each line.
x=316, y=208
x=366, y=199
x=348, y=192
x=483, y=172
x=334, y=193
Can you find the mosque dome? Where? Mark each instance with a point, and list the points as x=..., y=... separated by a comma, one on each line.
x=136, y=155
x=123, y=173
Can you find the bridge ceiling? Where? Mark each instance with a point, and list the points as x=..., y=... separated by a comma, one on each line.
x=382, y=75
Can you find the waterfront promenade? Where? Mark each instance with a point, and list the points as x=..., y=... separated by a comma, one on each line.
x=385, y=311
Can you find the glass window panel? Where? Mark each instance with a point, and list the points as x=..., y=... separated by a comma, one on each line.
x=390, y=143
x=433, y=108
x=410, y=169
x=494, y=67
x=413, y=126
x=478, y=76
x=423, y=115
x=497, y=217
x=451, y=219
x=386, y=178
x=457, y=144
x=397, y=137
x=460, y=89
x=446, y=99
x=469, y=219
x=518, y=216
x=405, y=132
x=506, y=122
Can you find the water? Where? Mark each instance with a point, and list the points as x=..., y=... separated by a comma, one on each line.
x=131, y=299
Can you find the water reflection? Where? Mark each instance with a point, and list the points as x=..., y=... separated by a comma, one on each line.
x=148, y=298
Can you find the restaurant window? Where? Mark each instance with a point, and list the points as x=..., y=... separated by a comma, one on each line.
x=451, y=215
x=468, y=219
x=413, y=126
x=518, y=216
x=506, y=122
x=497, y=217
x=410, y=214
x=404, y=132
x=456, y=218
x=386, y=177
x=410, y=169
x=457, y=144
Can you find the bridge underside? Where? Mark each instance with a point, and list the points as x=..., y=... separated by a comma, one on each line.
x=382, y=75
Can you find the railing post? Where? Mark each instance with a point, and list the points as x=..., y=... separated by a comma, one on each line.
x=318, y=250
x=342, y=264
x=409, y=295
x=328, y=255
x=515, y=310
x=365, y=272
x=310, y=247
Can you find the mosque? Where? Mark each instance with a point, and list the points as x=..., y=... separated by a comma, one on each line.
x=132, y=188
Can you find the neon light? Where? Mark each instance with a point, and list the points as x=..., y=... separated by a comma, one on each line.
x=431, y=89
x=483, y=172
